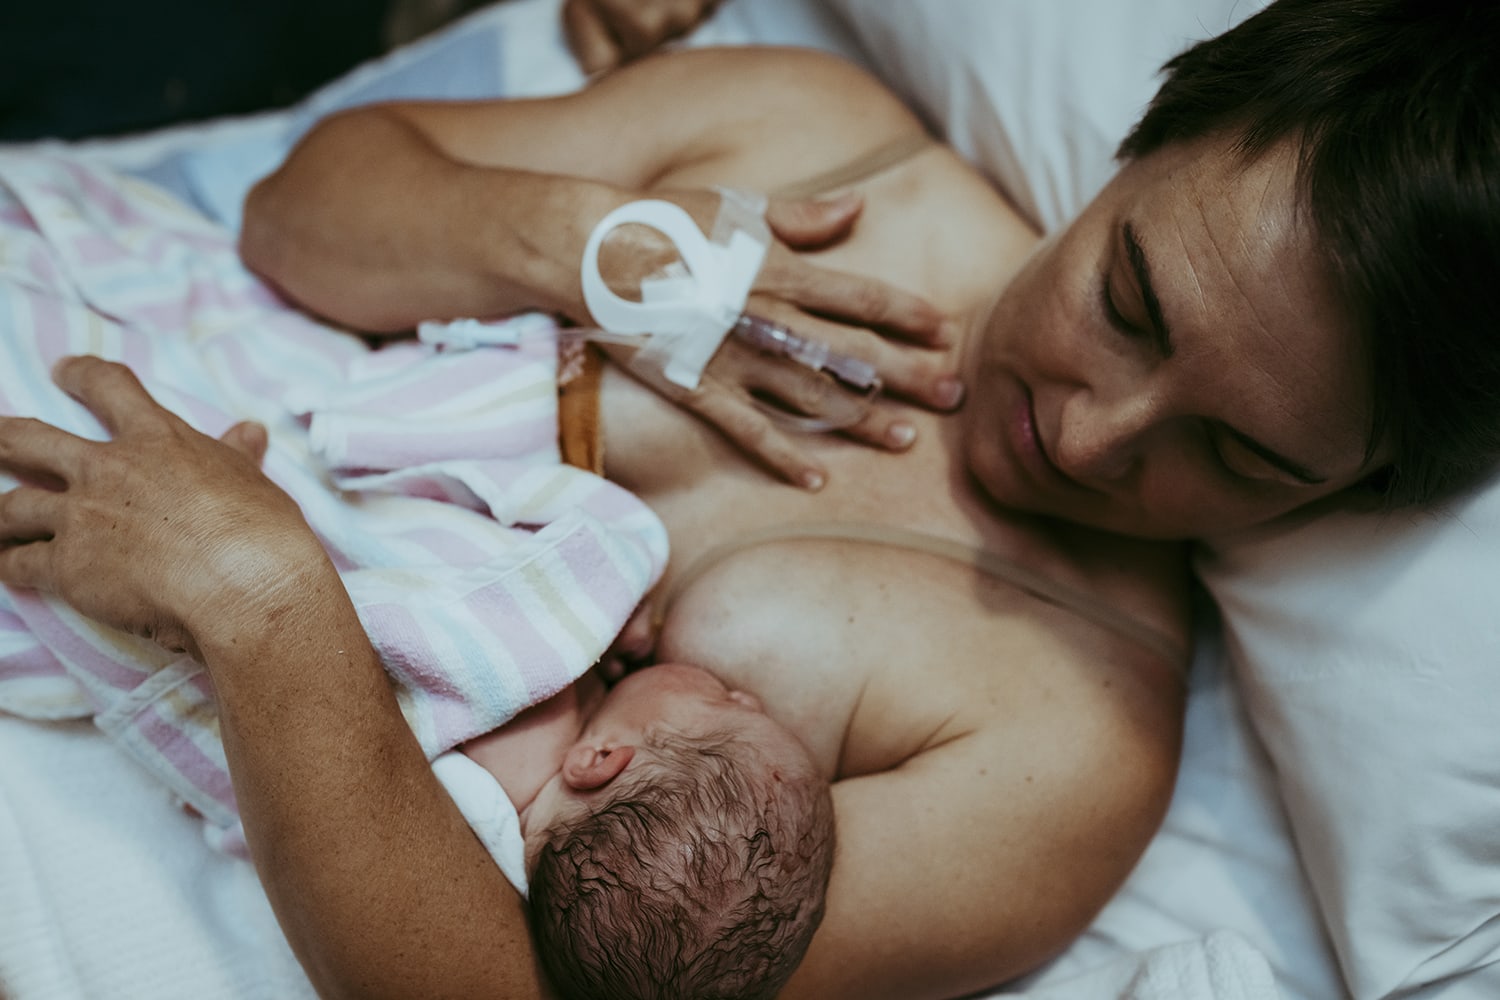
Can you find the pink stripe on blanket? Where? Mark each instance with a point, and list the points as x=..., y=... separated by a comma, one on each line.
x=541, y=666
x=410, y=378
x=175, y=316
x=612, y=504
x=167, y=242
x=249, y=372
x=166, y=735
x=50, y=317
x=42, y=266
x=599, y=576
x=97, y=194
x=37, y=661
x=61, y=636
x=401, y=639
x=57, y=328
x=438, y=486
x=96, y=249
x=448, y=548
x=386, y=448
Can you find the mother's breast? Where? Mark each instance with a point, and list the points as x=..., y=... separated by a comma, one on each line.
x=873, y=655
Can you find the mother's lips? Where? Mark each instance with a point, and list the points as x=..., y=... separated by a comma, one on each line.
x=1034, y=435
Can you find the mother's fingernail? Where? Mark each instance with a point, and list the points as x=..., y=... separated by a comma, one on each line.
x=812, y=480
x=901, y=435
x=950, y=392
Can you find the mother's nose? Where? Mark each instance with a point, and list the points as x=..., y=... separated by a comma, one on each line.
x=1099, y=438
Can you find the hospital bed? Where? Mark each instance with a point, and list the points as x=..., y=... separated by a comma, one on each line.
x=1336, y=826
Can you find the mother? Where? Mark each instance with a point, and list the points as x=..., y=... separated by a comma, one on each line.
x=1227, y=333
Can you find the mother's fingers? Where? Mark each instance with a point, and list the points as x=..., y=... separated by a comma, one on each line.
x=27, y=514
x=38, y=451
x=249, y=438
x=855, y=298
x=110, y=390
x=923, y=374
x=26, y=566
x=752, y=432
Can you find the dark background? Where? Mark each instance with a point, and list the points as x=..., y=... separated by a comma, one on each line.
x=77, y=68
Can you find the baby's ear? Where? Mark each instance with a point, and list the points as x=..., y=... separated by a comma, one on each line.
x=586, y=767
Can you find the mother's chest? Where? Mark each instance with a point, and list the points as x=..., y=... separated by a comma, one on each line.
x=866, y=652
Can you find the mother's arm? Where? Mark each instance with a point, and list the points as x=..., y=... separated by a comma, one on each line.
x=993, y=847
x=378, y=883
x=389, y=215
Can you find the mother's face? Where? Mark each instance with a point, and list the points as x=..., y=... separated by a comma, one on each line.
x=1174, y=364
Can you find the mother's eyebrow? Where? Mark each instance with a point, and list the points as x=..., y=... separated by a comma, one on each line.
x=1141, y=268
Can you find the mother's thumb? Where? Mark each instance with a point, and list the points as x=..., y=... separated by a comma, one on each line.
x=249, y=438
x=807, y=223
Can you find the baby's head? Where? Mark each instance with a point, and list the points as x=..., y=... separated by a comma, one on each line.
x=686, y=846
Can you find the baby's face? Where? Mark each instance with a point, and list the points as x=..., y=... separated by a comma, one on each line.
x=678, y=696
x=666, y=698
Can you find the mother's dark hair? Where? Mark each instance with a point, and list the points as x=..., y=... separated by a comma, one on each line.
x=1396, y=107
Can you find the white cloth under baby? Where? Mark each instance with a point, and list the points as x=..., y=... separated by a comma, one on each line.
x=488, y=810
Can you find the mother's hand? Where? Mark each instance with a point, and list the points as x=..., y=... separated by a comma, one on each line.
x=605, y=33
x=378, y=882
x=901, y=335
x=159, y=531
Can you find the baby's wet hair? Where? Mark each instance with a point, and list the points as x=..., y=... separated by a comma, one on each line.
x=703, y=879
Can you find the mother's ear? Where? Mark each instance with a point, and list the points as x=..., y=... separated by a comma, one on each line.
x=587, y=768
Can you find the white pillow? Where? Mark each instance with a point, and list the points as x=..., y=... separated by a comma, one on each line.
x=1038, y=93
x=1368, y=648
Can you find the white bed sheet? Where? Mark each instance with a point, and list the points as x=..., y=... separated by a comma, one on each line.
x=109, y=890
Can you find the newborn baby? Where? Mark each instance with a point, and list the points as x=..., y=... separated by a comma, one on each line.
x=677, y=839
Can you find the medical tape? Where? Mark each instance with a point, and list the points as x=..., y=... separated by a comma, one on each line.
x=688, y=308
x=466, y=334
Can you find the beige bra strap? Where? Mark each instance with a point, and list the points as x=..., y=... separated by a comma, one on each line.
x=867, y=165
x=989, y=563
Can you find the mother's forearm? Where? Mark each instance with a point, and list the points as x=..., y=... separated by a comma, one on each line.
x=165, y=532
x=378, y=883
x=371, y=224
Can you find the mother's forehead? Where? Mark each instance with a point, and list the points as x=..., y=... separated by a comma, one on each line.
x=1238, y=271
x=1215, y=174
x=1207, y=220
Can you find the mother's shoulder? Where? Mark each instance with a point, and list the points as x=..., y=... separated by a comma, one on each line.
x=773, y=115
x=748, y=79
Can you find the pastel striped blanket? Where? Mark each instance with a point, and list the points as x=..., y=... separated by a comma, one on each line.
x=488, y=575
